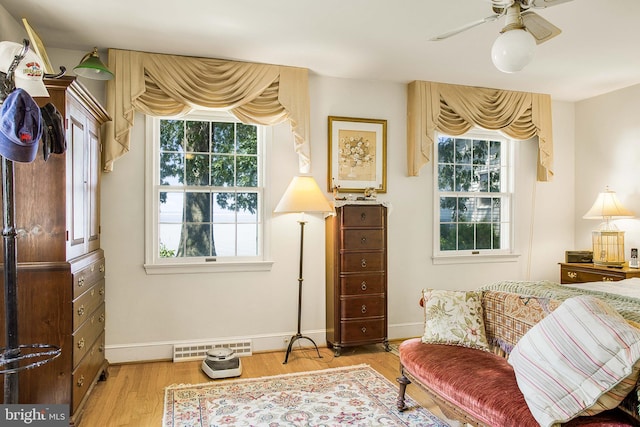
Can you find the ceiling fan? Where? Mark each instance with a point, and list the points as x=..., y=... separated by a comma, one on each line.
x=523, y=29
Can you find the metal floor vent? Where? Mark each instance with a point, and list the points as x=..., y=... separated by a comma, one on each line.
x=195, y=351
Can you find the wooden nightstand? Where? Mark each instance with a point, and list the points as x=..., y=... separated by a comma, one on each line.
x=581, y=273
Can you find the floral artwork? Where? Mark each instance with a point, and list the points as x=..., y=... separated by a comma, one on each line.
x=357, y=155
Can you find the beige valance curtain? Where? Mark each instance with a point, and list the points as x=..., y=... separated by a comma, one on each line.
x=454, y=110
x=169, y=85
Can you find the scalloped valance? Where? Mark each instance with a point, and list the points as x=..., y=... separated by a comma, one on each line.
x=455, y=109
x=170, y=85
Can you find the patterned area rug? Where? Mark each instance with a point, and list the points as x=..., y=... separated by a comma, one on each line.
x=349, y=396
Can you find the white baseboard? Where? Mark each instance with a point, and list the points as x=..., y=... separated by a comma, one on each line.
x=150, y=351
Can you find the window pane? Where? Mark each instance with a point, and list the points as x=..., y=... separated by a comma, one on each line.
x=480, y=152
x=225, y=238
x=481, y=178
x=222, y=171
x=198, y=169
x=465, y=209
x=171, y=135
x=445, y=177
x=247, y=139
x=463, y=151
x=171, y=169
x=466, y=238
x=483, y=236
x=247, y=175
x=169, y=240
x=198, y=207
x=247, y=239
x=448, y=209
x=463, y=178
x=247, y=207
x=197, y=137
x=495, y=153
x=496, y=235
x=171, y=207
x=224, y=208
x=223, y=138
x=198, y=240
x=445, y=150
x=448, y=237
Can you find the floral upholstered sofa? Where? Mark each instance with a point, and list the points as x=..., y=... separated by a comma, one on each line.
x=494, y=358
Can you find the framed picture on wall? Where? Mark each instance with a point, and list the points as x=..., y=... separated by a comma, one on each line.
x=357, y=154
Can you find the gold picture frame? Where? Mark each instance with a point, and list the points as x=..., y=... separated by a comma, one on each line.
x=357, y=154
x=38, y=47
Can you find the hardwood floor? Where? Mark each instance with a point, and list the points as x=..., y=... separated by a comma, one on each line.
x=133, y=393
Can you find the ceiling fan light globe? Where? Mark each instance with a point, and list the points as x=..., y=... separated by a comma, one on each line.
x=513, y=50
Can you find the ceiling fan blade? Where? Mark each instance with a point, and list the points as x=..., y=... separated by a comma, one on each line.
x=541, y=29
x=465, y=27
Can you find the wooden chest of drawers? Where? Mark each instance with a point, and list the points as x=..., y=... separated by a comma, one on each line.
x=356, y=257
x=583, y=273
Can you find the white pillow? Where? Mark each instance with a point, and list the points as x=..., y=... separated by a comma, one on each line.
x=570, y=362
x=454, y=317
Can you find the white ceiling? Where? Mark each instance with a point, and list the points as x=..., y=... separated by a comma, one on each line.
x=597, y=52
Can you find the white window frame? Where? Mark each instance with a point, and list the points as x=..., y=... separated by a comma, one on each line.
x=154, y=264
x=485, y=255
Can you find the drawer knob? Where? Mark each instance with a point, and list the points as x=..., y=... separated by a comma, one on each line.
x=101, y=318
x=363, y=240
x=81, y=343
x=102, y=290
x=80, y=381
x=101, y=268
x=363, y=263
x=572, y=274
x=607, y=279
x=363, y=216
x=363, y=285
x=364, y=330
x=81, y=310
x=81, y=281
x=363, y=309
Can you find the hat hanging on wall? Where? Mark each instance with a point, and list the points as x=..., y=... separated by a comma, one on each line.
x=53, y=139
x=20, y=127
x=92, y=67
x=29, y=72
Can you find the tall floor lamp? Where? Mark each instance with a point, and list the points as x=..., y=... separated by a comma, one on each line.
x=302, y=195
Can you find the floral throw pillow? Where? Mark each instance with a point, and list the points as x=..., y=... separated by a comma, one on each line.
x=454, y=318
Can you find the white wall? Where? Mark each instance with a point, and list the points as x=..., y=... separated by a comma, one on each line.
x=146, y=314
x=608, y=153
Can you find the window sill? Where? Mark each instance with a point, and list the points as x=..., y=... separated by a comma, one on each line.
x=223, y=267
x=474, y=259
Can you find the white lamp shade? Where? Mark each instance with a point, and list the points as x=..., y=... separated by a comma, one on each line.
x=513, y=50
x=303, y=195
x=607, y=206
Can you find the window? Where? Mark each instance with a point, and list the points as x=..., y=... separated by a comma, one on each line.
x=473, y=195
x=205, y=193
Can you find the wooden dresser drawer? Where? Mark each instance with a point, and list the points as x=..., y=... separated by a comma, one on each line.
x=362, y=284
x=363, y=216
x=85, y=374
x=357, y=262
x=363, y=330
x=83, y=279
x=359, y=307
x=87, y=303
x=582, y=273
x=87, y=333
x=356, y=239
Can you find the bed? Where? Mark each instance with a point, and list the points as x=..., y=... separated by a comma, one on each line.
x=623, y=295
